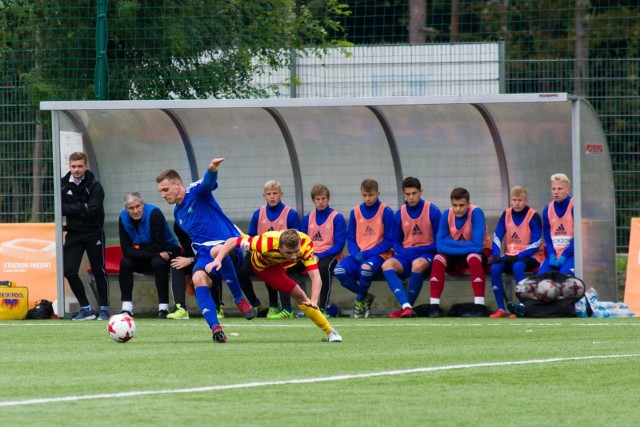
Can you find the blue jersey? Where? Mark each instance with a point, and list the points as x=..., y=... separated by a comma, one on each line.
x=200, y=215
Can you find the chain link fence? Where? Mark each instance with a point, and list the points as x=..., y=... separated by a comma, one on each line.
x=149, y=49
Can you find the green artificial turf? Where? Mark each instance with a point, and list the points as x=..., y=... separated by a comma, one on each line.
x=387, y=372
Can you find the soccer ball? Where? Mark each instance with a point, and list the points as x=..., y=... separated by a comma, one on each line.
x=572, y=288
x=547, y=290
x=525, y=290
x=121, y=327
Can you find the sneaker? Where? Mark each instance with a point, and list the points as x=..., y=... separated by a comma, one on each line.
x=498, y=314
x=283, y=314
x=272, y=312
x=517, y=309
x=513, y=316
x=127, y=312
x=246, y=309
x=368, y=302
x=396, y=314
x=359, y=309
x=179, y=314
x=408, y=312
x=220, y=313
x=85, y=314
x=218, y=334
x=162, y=314
x=104, y=314
x=334, y=336
x=434, y=310
x=324, y=313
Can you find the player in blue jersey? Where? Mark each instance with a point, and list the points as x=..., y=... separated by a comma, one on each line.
x=272, y=216
x=558, y=228
x=328, y=231
x=198, y=213
x=416, y=228
x=369, y=240
x=520, y=229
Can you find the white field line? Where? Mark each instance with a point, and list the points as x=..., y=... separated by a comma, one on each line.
x=306, y=380
x=293, y=323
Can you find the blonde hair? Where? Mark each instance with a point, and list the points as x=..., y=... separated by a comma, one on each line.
x=518, y=190
x=272, y=185
x=561, y=177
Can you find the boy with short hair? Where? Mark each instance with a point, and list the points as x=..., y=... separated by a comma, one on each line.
x=462, y=242
x=557, y=228
x=328, y=231
x=272, y=253
x=521, y=228
x=369, y=240
x=274, y=215
x=416, y=224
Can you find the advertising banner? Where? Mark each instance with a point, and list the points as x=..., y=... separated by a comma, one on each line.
x=28, y=258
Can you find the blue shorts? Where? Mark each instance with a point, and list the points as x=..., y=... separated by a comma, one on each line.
x=353, y=267
x=406, y=262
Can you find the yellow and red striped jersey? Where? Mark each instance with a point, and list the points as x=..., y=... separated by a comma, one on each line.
x=265, y=251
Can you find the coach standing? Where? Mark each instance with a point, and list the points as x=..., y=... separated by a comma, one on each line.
x=83, y=207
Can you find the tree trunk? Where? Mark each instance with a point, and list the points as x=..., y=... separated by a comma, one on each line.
x=581, y=70
x=417, y=21
x=455, y=21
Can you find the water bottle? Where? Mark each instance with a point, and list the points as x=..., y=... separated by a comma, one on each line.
x=608, y=305
x=581, y=308
x=621, y=313
x=592, y=297
x=601, y=313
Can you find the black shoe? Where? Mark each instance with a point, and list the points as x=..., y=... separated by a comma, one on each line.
x=127, y=312
x=162, y=314
x=218, y=334
x=434, y=310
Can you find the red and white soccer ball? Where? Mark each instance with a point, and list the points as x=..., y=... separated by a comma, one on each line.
x=121, y=327
x=547, y=290
x=525, y=290
x=572, y=288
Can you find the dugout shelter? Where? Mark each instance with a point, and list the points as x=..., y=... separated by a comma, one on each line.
x=483, y=143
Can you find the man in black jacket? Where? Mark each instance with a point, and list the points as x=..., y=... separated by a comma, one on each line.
x=83, y=208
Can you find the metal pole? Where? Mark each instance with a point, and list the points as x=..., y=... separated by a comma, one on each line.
x=101, y=77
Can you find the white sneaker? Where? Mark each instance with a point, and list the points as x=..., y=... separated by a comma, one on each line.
x=334, y=336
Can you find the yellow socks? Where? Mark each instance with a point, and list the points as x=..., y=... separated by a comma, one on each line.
x=316, y=317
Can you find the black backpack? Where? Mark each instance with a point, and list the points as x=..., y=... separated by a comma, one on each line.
x=43, y=310
x=560, y=307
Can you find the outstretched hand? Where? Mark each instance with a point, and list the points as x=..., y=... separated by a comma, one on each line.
x=310, y=304
x=213, y=166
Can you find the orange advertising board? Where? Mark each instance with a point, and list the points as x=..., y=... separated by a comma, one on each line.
x=632, y=286
x=28, y=258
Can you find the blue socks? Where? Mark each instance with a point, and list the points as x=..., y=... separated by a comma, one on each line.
x=228, y=273
x=415, y=286
x=207, y=306
x=396, y=286
x=496, y=284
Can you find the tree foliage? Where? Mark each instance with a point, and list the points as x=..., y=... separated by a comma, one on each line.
x=162, y=50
